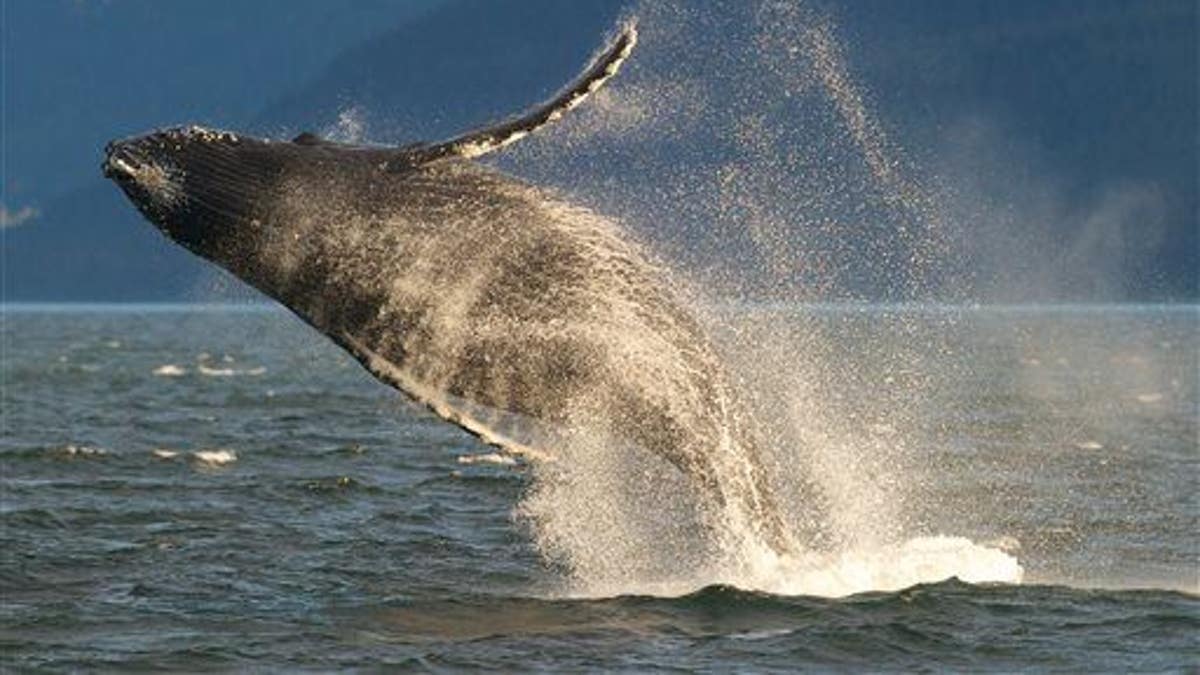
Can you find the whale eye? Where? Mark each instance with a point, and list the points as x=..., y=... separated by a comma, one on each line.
x=308, y=138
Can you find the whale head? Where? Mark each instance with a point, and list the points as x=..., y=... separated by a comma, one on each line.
x=257, y=207
x=198, y=186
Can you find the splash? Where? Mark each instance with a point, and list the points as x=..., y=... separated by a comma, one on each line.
x=786, y=193
x=679, y=441
x=350, y=127
x=919, y=560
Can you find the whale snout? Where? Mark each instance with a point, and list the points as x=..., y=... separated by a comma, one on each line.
x=146, y=170
x=123, y=160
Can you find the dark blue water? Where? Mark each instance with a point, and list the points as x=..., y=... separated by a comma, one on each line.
x=220, y=488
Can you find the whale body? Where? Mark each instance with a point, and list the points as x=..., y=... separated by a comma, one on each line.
x=497, y=304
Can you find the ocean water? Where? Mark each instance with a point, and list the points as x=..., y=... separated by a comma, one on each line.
x=220, y=488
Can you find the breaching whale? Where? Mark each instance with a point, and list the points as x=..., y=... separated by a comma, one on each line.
x=497, y=304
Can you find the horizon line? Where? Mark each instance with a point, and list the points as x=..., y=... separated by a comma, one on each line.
x=67, y=307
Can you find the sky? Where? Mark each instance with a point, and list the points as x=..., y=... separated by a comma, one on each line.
x=1057, y=139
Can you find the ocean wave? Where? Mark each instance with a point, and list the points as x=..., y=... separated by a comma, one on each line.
x=176, y=370
x=72, y=450
x=215, y=457
x=488, y=458
x=229, y=372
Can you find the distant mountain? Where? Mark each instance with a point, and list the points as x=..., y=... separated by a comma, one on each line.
x=459, y=64
x=81, y=72
x=464, y=64
x=90, y=247
x=1068, y=128
x=1077, y=124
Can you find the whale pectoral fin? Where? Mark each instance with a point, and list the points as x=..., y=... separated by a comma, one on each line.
x=434, y=400
x=602, y=68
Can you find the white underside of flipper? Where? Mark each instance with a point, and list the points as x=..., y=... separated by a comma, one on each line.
x=459, y=413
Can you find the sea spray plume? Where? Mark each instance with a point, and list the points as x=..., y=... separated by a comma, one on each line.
x=525, y=320
x=752, y=121
x=800, y=46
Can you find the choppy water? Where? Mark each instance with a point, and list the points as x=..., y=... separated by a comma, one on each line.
x=197, y=488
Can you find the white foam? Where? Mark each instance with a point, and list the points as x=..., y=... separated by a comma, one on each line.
x=73, y=450
x=163, y=453
x=921, y=560
x=488, y=458
x=215, y=457
x=170, y=370
x=229, y=372
x=1089, y=445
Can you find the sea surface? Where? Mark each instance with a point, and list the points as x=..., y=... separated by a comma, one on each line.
x=218, y=487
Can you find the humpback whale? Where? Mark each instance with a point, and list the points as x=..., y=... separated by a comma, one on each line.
x=497, y=304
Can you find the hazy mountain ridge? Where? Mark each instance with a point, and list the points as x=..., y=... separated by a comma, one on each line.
x=1051, y=114
x=461, y=65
